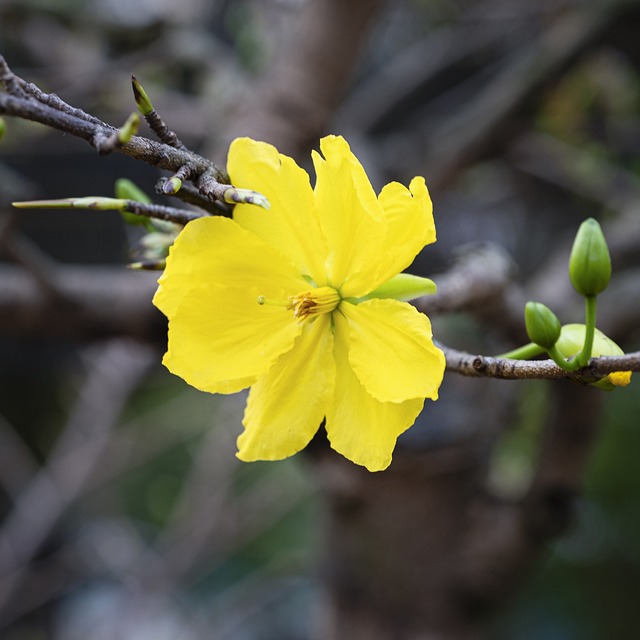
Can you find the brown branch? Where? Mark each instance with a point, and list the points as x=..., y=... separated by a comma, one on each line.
x=467, y=364
x=480, y=277
x=156, y=154
x=92, y=302
x=308, y=78
x=26, y=101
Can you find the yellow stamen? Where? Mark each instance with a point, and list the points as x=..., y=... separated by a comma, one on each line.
x=314, y=302
x=306, y=304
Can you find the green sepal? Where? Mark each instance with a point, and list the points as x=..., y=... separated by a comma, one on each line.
x=404, y=287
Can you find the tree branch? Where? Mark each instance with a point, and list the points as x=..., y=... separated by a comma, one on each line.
x=26, y=101
x=507, y=369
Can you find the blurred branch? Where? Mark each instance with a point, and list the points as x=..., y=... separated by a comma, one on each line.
x=115, y=370
x=309, y=76
x=576, y=170
x=504, y=538
x=482, y=128
x=94, y=302
x=17, y=464
x=481, y=277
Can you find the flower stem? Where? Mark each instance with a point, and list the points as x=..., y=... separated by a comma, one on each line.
x=524, y=352
x=590, y=322
x=558, y=358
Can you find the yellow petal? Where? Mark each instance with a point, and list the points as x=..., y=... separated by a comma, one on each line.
x=350, y=217
x=391, y=350
x=217, y=250
x=287, y=405
x=291, y=223
x=360, y=427
x=410, y=226
x=220, y=338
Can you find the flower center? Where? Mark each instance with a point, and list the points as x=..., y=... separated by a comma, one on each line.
x=308, y=304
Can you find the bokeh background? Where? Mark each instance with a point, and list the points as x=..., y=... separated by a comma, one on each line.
x=124, y=511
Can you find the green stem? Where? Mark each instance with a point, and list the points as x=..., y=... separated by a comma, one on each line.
x=524, y=352
x=558, y=358
x=590, y=322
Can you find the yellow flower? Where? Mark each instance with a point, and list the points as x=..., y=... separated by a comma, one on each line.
x=295, y=302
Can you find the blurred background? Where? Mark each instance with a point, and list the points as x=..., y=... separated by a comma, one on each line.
x=123, y=511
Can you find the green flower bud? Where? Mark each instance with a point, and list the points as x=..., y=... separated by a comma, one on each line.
x=543, y=326
x=590, y=262
x=404, y=286
x=570, y=343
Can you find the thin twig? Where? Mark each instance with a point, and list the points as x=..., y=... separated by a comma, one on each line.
x=190, y=195
x=506, y=369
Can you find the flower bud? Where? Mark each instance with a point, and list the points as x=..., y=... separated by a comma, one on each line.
x=404, y=286
x=543, y=326
x=570, y=343
x=590, y=262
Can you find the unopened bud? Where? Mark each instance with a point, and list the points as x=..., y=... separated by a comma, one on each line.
x=142, y=99
x=543, y=326
x=404, y=287
x=590, y=262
